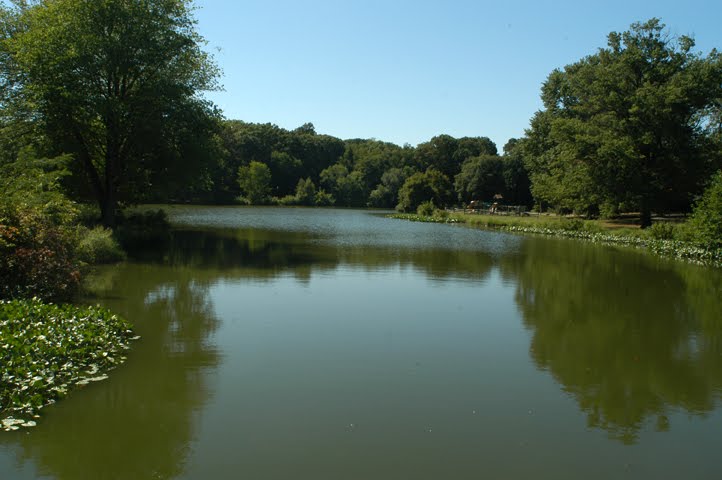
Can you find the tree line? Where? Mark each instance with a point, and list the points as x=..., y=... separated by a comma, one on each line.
x=265, y=164
x=114, y=88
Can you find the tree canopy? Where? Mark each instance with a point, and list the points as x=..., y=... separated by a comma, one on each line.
x=630, y=124
x=114, y=83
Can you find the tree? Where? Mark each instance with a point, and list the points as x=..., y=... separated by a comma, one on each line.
x=255, y=182
x=446, y=153
x=516, y=177
x=306, y=192
x=431, y=185
x=386, y=193
x=630, y=124
x=480, y=178
x=106, y=78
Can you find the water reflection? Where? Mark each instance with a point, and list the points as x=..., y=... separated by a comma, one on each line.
x=259, y=254
x=141, y=423
x=631, y=338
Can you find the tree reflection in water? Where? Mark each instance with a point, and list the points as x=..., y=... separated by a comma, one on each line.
x=631, y=338
x=139, y=424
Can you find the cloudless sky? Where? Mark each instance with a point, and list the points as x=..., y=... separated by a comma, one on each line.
x=404, y=71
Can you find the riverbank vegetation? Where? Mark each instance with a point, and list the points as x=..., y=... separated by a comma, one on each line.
x=698, y=240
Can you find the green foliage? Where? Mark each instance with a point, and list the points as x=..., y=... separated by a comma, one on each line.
x=255, y=182
x=286, y=201
x=306, y=192
x=37, y=236
x=574, y=225
x=431, y=185
x=441, y=214
x=114, y=84
x=37, y=256
x=446, y=153
x=480, y=178
x=630, y=124
x=324, y=199
x=98, y=246
x=33, y=183
x=663, y=231
x=426, y=209
x=347, y=188
x=290, y=156
x=706, y=221
x=386, y=193
x=50, y=349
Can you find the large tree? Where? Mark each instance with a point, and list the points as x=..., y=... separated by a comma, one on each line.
x=630, y=124
x=109, y=81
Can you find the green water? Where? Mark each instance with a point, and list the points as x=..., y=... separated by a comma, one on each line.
x=333, y=344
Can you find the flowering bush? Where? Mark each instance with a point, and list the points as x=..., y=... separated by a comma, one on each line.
x=37, y=257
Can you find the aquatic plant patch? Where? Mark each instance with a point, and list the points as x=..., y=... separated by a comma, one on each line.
x=414, y=217
x=47, y=350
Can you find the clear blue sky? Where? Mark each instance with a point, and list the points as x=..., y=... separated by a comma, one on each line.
x=403, y=71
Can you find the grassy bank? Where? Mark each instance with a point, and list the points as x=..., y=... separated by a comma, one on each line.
x=658, y=240
x=47, y=350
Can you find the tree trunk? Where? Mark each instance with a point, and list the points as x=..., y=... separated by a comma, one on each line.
x=645, y=217
x=108, y=206
x=112, y=166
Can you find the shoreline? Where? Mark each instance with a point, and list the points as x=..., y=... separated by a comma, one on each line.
x=583, y=230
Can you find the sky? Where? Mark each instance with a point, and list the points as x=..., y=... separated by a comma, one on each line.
x=404, y=71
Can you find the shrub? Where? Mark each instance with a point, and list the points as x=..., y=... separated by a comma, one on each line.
x=706, y=222
x=88, y=215
x=574, y=225
x=324, y=199
x=426, y=209
x=286, y=201
x=662, y=231
x=609, y=210
x=97, y=246
x=441, y=214
x=37, y=257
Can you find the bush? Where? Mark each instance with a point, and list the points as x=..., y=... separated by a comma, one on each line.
x=706, y=222
x=286, y=201
x=574, y=224
x=426, y=209
x=609, y=210
x=324, y=199
x=88, y=215
x=97, y=246
x=663, y=231
x=441, y=214
x=37, y=257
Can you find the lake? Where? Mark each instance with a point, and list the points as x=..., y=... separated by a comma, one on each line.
x=340, y=344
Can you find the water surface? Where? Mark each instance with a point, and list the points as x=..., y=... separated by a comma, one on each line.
x=339, y=344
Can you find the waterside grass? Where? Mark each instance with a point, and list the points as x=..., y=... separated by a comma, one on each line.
x=47, y=350
x=587, y=230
